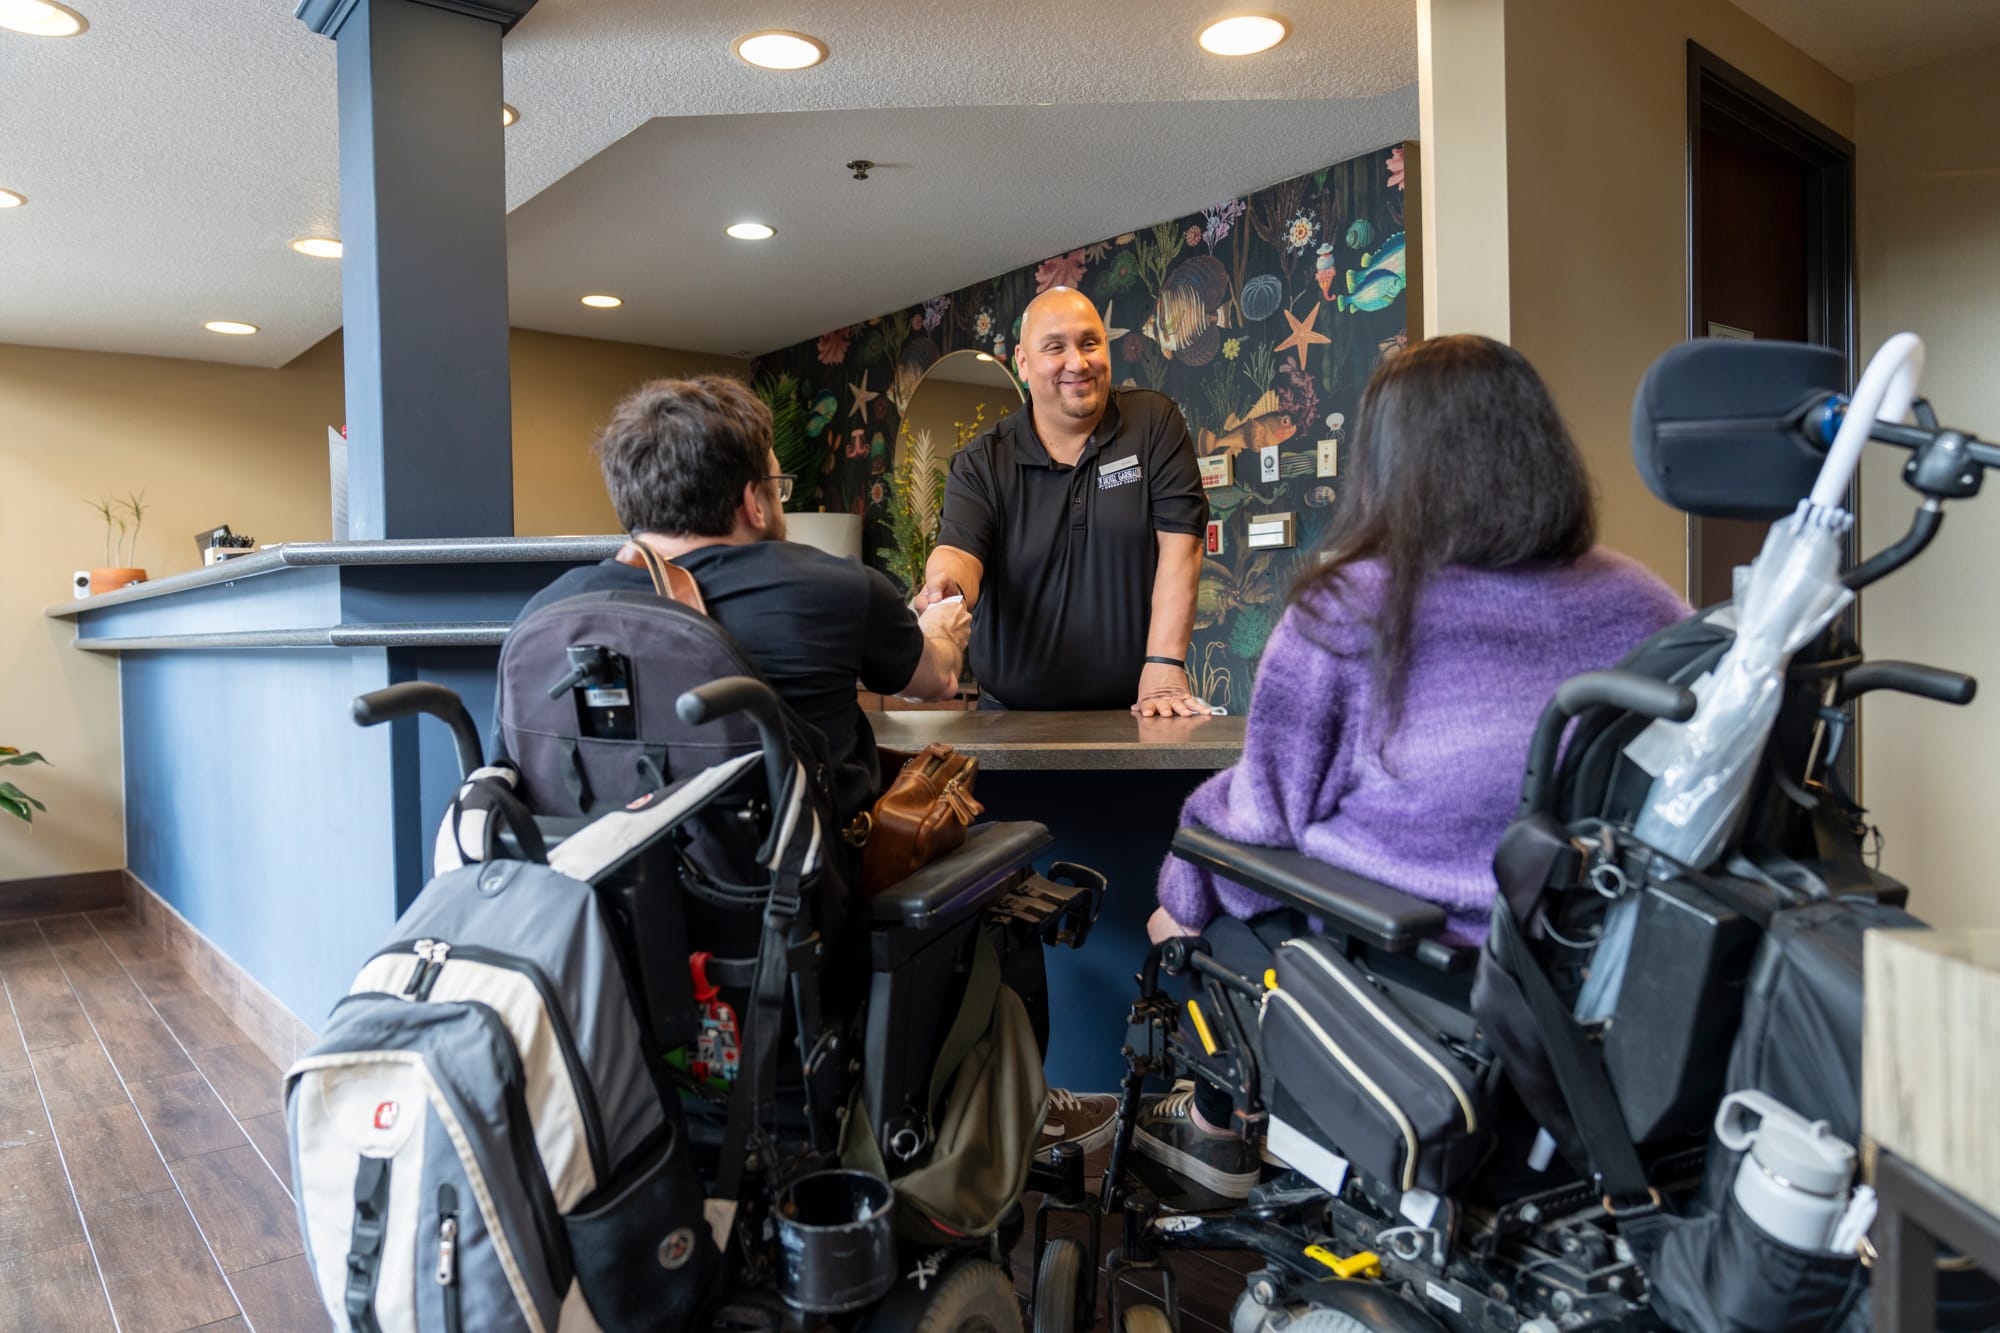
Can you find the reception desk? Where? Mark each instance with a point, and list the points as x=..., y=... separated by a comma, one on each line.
x=291, y=838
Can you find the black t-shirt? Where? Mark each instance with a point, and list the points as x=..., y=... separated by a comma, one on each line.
x=1067, y=592
x=811, y=622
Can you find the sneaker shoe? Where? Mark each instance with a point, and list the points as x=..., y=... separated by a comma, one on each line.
x=1212, y=1170
x=1087, y=1119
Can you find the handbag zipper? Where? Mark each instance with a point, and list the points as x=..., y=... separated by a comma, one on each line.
x=1368, y=1084
x=1382, y=1020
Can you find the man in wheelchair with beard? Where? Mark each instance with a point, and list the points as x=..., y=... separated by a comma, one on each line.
x=1407, y=1057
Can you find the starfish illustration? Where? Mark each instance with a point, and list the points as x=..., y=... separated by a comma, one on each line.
x=1303, y=337
x=863, y=395
x=1112, y=333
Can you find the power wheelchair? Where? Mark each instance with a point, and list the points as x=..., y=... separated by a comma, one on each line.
x=1498, y=1234
x=845, y=1004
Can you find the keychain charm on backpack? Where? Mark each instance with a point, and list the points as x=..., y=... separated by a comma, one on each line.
x=717, y=1050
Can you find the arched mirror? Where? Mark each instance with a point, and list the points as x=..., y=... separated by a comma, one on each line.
x=954, y=399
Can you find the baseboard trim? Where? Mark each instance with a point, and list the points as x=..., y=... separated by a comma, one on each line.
x=59, y=895
x=274, y=1029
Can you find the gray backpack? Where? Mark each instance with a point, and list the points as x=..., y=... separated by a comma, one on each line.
x=478, y=1138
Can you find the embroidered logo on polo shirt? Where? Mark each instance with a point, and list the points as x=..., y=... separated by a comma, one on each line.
x=1120, y=472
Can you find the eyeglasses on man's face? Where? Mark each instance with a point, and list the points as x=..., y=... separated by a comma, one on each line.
x=784, y=482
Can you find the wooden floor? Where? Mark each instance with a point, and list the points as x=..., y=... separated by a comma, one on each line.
x=143, y=1172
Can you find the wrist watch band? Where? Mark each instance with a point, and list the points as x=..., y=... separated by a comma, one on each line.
x=1167, y=661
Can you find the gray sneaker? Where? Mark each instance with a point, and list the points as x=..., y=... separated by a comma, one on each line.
x=1086, y=1119
x=1207, y=1170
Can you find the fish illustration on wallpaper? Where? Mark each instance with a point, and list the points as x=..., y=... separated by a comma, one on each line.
x=1259, y=431
x=1192, y=308
x=1379, y=280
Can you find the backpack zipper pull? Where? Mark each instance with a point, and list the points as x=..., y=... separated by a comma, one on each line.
x=422, y=948
x=437, y=956
x=447, y=1269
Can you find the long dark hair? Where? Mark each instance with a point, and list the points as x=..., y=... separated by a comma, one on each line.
x=1458, y=458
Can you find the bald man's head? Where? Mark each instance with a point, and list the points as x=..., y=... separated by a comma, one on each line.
x=1063, y=356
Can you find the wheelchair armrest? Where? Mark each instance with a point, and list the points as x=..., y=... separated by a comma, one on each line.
x=1387, y=918
x=960, y=883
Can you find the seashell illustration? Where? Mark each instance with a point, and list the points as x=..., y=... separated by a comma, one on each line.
x=1261, y=297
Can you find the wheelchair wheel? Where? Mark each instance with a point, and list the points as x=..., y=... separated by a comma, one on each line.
x=1147, y=1319
x=975, y=1297
x=1057, y=1287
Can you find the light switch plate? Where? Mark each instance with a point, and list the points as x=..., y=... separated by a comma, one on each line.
x=1329, y=458
x=1267, y=460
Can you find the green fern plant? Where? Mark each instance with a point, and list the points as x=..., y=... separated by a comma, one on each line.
x=798, y=453
x=13, y=800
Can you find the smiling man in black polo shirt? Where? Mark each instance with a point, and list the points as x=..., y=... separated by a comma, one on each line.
x=1073, y=529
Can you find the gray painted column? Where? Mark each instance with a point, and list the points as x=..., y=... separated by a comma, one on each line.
x=423, y=218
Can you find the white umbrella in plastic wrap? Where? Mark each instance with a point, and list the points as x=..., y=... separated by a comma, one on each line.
x=1703, y=767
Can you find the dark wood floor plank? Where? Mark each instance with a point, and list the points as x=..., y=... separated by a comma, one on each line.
x=142, y=1048
x=13, y=1054
x=36, y=1211
x=90, y=959
x=111, y=1158
x=21, y=940
x=159, y=1273
x=113, y=918
x=243, y=1210
x=77, y=1077
x=134, y=945
x=185, y=1115
x=249, y=1084
x=45, y=1005
x=224, y=1326
x=110, y=997
x=160, y=979
x=53, y=1291
x=199, y=1022
x=22, y=1119
x=272, y=1137
x=281, y=1297
x=62, y=930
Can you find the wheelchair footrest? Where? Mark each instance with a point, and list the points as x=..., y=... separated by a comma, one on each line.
x=1061, y=909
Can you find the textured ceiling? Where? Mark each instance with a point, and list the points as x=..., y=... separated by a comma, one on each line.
x=1868, y=39
x=170, y=152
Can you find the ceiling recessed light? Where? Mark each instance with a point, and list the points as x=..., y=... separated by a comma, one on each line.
x=1243, y=35
x=508, y=115
x=229, y=326
x=603, y=302
x=750, y=231
x=8, y=199
x=780, y=50
x=982, y=356
x=39, y=18
x=319, y=247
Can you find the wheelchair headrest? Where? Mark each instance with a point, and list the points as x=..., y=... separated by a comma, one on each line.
x=1717, y=425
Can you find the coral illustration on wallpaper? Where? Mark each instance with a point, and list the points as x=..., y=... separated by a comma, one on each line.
x=1261, y=316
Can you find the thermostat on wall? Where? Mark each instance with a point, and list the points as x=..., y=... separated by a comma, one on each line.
x=1217, y=470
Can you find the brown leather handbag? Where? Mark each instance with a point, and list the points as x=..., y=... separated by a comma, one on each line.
x=922, y=814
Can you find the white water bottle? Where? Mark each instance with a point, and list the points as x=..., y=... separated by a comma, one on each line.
x=1795, y=1174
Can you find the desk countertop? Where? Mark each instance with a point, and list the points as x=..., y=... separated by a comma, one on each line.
x=1109, y=740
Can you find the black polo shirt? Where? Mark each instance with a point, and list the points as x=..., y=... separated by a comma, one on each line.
x=1069, y=552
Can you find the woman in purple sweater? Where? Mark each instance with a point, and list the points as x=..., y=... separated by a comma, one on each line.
x=1459, y=585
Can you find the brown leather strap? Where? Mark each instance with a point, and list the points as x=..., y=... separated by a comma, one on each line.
x=669, y=579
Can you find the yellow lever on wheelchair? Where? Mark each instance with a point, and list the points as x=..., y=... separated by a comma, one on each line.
x=1201, y=1027
x=1365, y=1264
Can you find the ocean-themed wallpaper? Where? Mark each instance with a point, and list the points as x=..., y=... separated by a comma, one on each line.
x=1261, y=316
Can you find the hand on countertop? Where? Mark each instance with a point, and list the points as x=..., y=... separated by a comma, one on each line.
x=1164, y=692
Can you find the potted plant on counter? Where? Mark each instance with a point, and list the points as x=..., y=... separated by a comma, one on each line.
x=122, y=519
x=13, y=800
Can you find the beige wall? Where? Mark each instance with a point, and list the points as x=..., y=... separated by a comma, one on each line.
x=1596, y=211
x=1928, y=210
x=211, y=444
x=938, y=405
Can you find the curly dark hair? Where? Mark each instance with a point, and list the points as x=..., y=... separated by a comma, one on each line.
x=1459, y=458
x=677, y=454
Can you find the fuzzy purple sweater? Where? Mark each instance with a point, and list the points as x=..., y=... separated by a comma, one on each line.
x=1424, y=812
